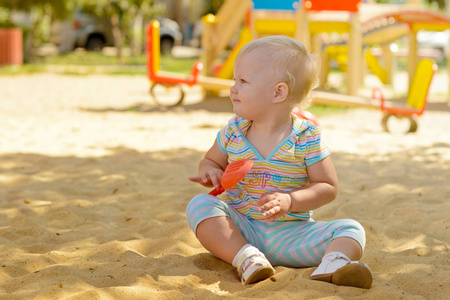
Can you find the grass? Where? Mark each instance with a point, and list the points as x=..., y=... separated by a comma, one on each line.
x=320, y=110
x=181, y=65
x=82, y=63
x=24, y=69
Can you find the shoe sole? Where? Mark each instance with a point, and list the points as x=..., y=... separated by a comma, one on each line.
x=353, y=274
x=259, y=274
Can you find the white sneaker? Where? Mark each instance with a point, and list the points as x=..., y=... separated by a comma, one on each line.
x=255, y=268
x=338, y=269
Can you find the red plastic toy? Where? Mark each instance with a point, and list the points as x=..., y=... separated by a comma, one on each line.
x=234, y=173
x=305, y=115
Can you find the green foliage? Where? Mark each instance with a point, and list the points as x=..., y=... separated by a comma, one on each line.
x=440, y=3
x=41, y=12
x=60, y=8
x=120, y=14
x=212, y=6
x=6, y=24
x=108, y=7
x=126, y=9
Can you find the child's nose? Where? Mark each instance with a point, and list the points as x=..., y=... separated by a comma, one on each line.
x=233, y=89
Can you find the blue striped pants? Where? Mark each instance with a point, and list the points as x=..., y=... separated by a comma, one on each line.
x=290, y=243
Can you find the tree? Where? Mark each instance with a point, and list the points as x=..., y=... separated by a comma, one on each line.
x=121, y=14
x=213, y=6
x=59, y=7
x=37, y=9
x=440, y=3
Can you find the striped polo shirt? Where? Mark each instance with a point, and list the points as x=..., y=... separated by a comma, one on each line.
x=284, y=169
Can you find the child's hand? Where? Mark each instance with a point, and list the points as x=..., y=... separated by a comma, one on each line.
x=274, y=205
x=209, y=179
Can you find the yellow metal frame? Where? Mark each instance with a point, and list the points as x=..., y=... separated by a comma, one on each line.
x=284, y=27
x=316, y=27
x=155, y=46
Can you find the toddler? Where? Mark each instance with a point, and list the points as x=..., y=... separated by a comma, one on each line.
x=265, y=220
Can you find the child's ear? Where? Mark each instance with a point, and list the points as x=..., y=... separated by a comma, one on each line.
x=281, y=92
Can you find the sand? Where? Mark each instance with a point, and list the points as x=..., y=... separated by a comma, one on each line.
x=93, y=191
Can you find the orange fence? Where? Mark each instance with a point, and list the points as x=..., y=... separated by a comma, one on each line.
x=11, y=51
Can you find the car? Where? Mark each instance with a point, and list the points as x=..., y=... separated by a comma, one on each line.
x=169, y=35
x=94, y=33
x=91, y=32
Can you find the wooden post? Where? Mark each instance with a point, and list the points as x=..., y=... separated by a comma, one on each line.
x=412, y=55
x=354, y=55
x=388, y=58
x=324, y=60
x=219, y=30
x=448, y=65
x=448, y=52
x=302, y=32
x=207, y=44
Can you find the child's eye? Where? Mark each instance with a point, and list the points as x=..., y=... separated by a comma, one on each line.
x=243, y=81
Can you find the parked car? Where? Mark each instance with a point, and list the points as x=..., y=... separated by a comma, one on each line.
x=91, y=32
x=94, y=33
x=169, y=34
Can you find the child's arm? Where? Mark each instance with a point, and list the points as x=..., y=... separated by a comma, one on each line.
x=211, y=167
x=321, y=190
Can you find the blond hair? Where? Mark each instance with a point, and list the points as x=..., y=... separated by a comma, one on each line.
x=294, y=65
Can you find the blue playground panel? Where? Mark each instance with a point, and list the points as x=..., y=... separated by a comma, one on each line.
x=276, y=5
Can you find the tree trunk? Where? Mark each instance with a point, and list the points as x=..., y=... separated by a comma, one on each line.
x=137, y=34
x=179, y=13
x=36, y=16
x=117, y=35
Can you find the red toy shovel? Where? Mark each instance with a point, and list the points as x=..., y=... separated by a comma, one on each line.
x=234, y=173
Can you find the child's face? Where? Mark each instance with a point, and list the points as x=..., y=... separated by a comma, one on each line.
x=253, y=90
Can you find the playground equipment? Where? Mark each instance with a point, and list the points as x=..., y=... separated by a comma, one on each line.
x=286, y=17
x=227, y=68
x=167, y=87
x=218, y=30
x=392, y=25
x=417, y=97
x=415, y=103
x=376, y=68
x=385, y=28
x=358, y=25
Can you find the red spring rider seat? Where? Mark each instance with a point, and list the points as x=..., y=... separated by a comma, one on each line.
x=166, y=87
x=417, y=97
